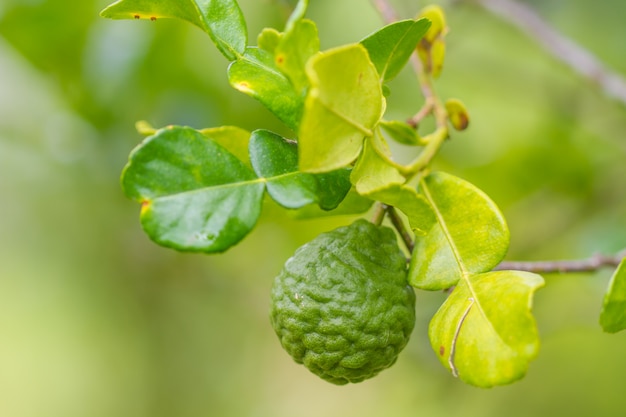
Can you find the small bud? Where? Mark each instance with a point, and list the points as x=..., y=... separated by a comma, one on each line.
x=457, y=114
x=437, y=22
x=144, y=128
x=432, y=47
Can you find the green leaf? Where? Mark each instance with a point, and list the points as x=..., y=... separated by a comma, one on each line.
x=401, y=132
x=485, y=333
x=276, y=159
x=256, y=75
x=195, y=195
x=294, y=50
x=233, y=138
x=470, y=235
x=342, y=107
x=269, y=39
x=613, y=316
x=391, y=47
x=221, y=19
x=353, y=203
x=333, y=187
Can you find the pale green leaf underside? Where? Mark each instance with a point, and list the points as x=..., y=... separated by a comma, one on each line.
x=222, y=20
x=343, y=105
x=485, y=333
x=469, y=236
x=375, y=178
x=372, y=172
x=613, y=316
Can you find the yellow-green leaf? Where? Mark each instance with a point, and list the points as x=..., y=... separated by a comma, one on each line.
x=613, y=316
x=469, y=236
x=343, y=105
x=294, y=50
x=233, y=138
x=485, y=333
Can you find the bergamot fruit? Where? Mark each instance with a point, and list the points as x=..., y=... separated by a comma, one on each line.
x=341, y=305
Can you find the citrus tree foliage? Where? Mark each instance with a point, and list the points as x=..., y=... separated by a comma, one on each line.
x=202, y=191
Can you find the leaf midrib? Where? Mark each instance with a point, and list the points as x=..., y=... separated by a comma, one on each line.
x=227, y=185
x=393, y=51
x=465, y=275
x=367, y=132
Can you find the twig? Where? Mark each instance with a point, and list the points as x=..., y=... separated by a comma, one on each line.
x=398, y=224
x=385, y=10
x=593, y=263
x=562, y=47
x=379, y=214
x=569, y=52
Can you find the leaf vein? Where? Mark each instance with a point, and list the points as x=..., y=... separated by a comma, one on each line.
x=358, y=126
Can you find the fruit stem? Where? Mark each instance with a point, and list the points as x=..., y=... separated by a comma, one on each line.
x=379, y=214
x=398, y=224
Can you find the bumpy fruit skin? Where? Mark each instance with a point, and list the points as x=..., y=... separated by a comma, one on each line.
x=341, y=305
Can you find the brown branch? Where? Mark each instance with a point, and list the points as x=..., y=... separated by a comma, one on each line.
x=398, y=224
x=379, y=214
x=565, y=49
x=593, y=263
x=385, y=10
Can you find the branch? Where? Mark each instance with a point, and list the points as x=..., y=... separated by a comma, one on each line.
x=593, y=263
x=385, y=10
x=575, y=56
x=398, y=224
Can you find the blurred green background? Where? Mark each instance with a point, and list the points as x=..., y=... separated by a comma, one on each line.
x=97, y=321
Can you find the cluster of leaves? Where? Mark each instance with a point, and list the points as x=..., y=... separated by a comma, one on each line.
x=202, y=190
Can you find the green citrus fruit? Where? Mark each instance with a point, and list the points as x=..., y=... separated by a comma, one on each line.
x=341, y=305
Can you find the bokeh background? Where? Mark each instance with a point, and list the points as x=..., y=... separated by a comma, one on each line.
x=97, y=321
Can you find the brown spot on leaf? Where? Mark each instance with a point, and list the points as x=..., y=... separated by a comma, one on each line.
x=145, y=205
x=153, y=18
x=280, y=59
x=442, y=350
x=137, y=16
